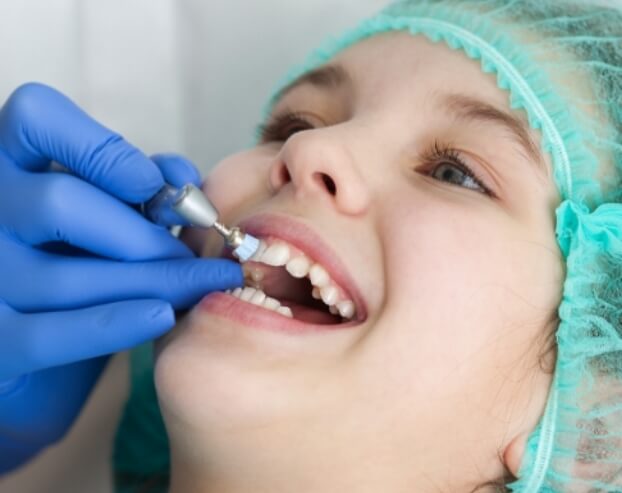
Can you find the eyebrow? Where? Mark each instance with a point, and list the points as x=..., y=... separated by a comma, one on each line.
x=467, y=108
x=326, y=77
x=460, y=106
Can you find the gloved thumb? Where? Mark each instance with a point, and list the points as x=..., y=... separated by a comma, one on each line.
x=176, y=169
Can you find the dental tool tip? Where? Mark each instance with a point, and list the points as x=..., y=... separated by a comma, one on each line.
x=244, y=245
x=247, y=247
x=192, y=204
x=222, y=229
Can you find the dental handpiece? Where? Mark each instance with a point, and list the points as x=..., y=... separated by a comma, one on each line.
x=189, y=206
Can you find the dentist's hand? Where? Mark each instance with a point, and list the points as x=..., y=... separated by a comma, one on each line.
x=115, y=286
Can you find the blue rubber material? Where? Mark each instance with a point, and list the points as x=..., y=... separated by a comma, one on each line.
x=82, y=273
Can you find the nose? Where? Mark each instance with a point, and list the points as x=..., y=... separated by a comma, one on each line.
x=322, y=166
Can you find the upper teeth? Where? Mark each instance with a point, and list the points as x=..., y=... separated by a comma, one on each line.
x=278, y=253
x=299, y=266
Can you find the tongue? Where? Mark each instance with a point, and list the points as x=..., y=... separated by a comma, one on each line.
x=311, y=315
x=278, y=284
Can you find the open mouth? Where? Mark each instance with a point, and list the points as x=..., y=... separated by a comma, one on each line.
x=282, y=278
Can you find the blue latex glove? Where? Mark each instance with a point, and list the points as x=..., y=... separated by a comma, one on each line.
x=116, y=285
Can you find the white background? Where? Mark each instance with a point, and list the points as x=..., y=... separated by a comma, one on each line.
x=170, y=75
x=188, y=76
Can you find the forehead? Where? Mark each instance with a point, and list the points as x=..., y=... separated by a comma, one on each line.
x=399, y=64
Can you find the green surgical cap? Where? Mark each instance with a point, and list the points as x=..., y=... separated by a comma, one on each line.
x=561, y=62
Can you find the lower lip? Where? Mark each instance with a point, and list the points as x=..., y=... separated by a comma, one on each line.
x=255, y=317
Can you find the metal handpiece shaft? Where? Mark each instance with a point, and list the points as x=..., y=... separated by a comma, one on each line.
x=190, y=206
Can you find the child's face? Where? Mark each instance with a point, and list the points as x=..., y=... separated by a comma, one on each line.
x=460, y=282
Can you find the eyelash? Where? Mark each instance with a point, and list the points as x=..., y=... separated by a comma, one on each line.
x=275, y=130
x=279, y=128
x=441, y=153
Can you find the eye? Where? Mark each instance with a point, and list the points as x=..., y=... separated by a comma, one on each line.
x=454, y=173
x=282, y=127
x=447, y=165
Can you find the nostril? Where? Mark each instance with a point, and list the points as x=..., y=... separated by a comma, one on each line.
x=285, y=176
x=279, y=176
x=329, y=183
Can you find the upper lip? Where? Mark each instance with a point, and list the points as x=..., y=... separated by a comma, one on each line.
x=309, y=242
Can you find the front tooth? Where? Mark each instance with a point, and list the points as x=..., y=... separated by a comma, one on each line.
x=276, y=255
x=298, y=267
x=346, y=308
x=271, y=303
x=260, y=250
x=247, y=293
x=329, y=294
x=285, y=310
x=258, y=298
x=319, y=277
x=237, y=292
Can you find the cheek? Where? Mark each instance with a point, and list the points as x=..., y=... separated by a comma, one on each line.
x=237, y=182
x=457, y=259
x=459, y=281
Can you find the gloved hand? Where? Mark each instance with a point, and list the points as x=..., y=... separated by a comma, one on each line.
x=111, y=285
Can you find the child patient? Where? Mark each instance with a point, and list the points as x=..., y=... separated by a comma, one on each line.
x=419, y=315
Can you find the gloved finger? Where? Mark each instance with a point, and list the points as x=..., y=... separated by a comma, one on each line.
x=44, y=282
x=42, y=340
x=39, y=124
x=176, y=169
x=50, y=207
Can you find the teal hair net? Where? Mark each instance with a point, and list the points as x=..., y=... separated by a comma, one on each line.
x=561, y=62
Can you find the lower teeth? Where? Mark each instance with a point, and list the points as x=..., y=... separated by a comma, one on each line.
x=258, y=297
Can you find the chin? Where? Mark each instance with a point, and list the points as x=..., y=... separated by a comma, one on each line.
x=209, y=376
